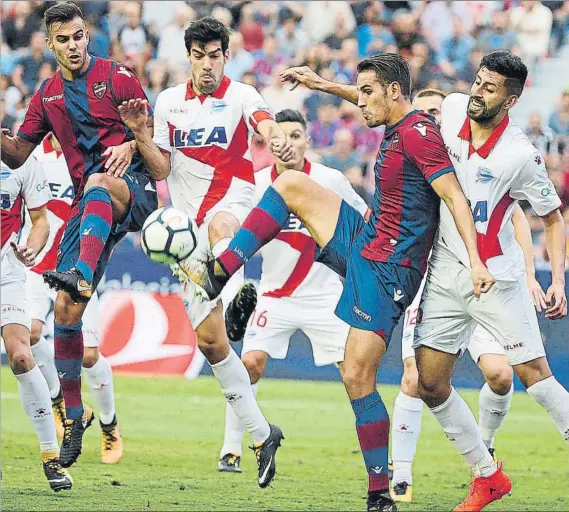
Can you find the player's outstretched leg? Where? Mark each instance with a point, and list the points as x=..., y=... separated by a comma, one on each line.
x=544, y=388
x=35, y=397
x=451, y=411
x=68, y=360
x=44, y=356
x=99, y=377
x=495, y=396
x=406, y=429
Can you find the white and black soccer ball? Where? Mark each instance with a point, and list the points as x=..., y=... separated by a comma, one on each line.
x=169, y=235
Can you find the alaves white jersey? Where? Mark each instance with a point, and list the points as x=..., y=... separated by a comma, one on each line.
x=506, y=168
x=209, y=137
x=59, y=205
x=289, y=269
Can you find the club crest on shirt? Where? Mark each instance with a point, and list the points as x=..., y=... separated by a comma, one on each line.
x=218, y=106
x=484, y=175
x=395, y=140
x=99, y=89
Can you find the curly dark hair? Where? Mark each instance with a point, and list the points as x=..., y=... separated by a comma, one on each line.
x=508, y=65
x=205, y=30
x=389, y=68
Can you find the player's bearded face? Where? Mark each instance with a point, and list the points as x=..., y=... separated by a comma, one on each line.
x=208, y=63
x=68, y=42
x=373, y=99
x=488, y=95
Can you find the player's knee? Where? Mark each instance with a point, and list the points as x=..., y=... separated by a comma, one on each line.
x=20, y=355
x=433, y=391
x=212, y=347
x=500, y=379
x=255, y=364
x=98, y=180
x=410, y=379
x=90, y=357
x=357, y=379
x=290, y=185
x=220, y=229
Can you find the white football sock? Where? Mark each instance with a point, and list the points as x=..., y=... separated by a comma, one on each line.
x=492, y=412
x=100, y=379
x=44, y=357
x=459, y=425
x=234, y=430
x=36, y=400
x=554, y=398
x=406, y=429
x=236, y=386
x=220, y=246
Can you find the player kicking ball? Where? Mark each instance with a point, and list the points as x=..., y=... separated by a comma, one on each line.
x=96, y=368
x=202, y=136
x=296, y=292
x=496, y=394
x=114, y=193
x=382, y=260
x=496, y=165
x=27, y=187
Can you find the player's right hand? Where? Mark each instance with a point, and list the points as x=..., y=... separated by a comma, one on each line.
x=281, y=149
x=537, y=293
x=301, y=75
x=482, y=279
x=25, y=254
x=134, y=113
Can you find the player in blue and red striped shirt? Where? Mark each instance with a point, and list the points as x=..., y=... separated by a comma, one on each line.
x=114, y=193
x=384, y=259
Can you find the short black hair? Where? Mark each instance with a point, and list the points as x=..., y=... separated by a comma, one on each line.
x=205, y=30
x=389, y=68
x=426, y=93
x=289, y=115
x=508, y=65
x=62, y=13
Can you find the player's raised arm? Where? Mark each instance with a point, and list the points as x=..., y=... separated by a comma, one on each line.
x=134, y=113
x=522, y=232
x=307, y=77
x=425, y=147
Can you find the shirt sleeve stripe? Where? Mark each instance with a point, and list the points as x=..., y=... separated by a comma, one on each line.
x=29, y=138
x=438, y=174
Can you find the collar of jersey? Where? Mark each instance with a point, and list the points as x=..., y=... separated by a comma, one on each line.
x=305, y=169
x=218, y=93
x=391, y=127
x=486, y=148
x=89, y=68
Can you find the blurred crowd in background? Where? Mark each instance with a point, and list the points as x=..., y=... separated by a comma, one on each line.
x=443, y=42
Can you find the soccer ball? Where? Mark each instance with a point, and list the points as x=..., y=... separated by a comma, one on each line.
x=168, y=235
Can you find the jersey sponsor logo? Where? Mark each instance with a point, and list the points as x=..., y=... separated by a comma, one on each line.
x=421, y=128
x=52, y=98
x=42, y=185
x=6, y=201
x=362, y=314
x=61, y=193
x=198, y=137
x=454, y=155
x=99, y=89
x=484, y=175
x=546, y=191
x=293, y=224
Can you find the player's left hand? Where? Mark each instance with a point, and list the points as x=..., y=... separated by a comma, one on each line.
x=556, y=302
x=25, y=254
x=537, y=294
x=281, y=149
x=134, y=113
x=119, y=159
x=482, y=279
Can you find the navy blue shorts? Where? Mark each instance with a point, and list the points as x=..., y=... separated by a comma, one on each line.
x=143, y=201
x=376, y=293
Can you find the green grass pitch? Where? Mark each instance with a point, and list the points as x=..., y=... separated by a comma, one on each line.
x=173, y=431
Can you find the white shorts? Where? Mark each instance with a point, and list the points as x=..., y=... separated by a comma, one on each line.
x=42, y=301
x=275, y=320
x=197, y=308
x=13, y=297
x=449, y=312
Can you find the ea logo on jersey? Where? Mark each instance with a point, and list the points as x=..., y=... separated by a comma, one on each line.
x=294, y=224
x=59, y=191
x=198, y=137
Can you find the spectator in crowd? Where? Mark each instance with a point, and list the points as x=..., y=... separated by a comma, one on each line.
x=252, y=30
x=366, y=140
x=437, y=20
x=99, y=41
x=420, y=66
x=171, y=47
x=322, y=129
x=313, y=18
x=157, y=16
x=8, y=60
x=532, y=23
x=25, y=74
x=17, y=31
x=315, y=98
x=342, y=154
x=6, y=121
x=499, y=36
x=560, y=26
x=222, y=14
x=559, y=120
x=249, y=79
x=290, y=37
x=405, y=31
x=453, y=57
x=356, y=178
x=341, y=32
x=279, y=97
x=345, y=66
x=240, y=60
x=11, y=94
x=542, y=137
x=158, y=79
x=374, y=37
x=133, y=42
x=466, y=78
x=266, y=60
